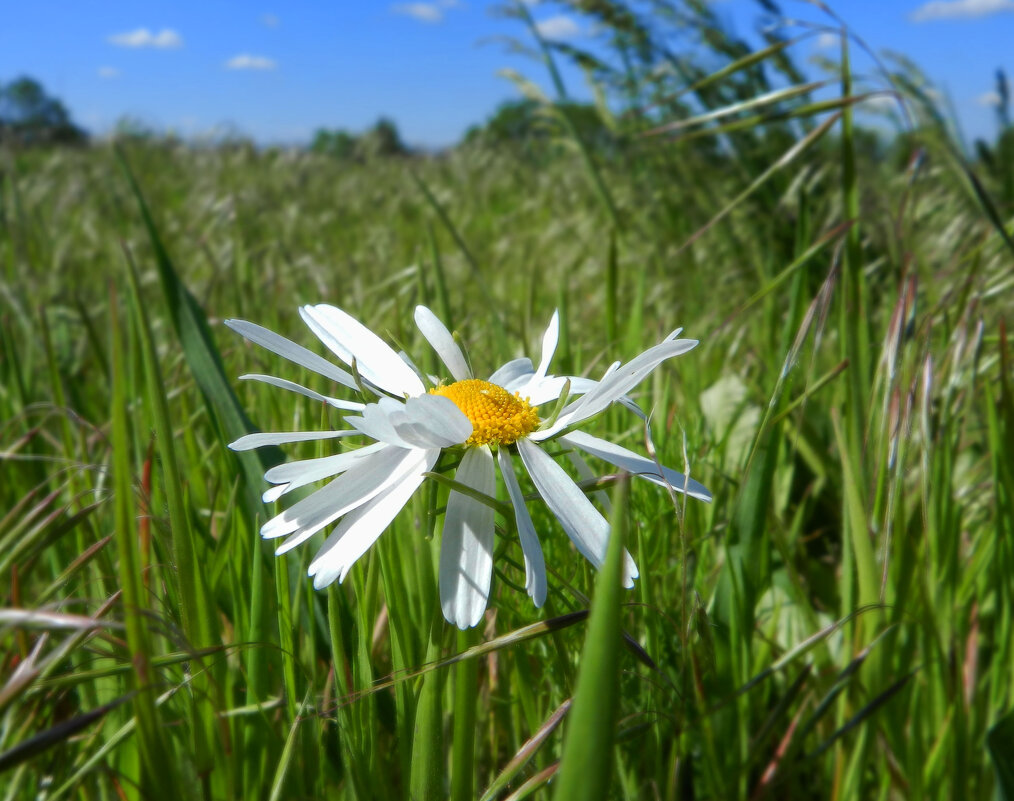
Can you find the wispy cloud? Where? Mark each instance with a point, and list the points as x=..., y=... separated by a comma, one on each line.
x=109, y=72
x=245, y=61
x=270, y=21
x=165, y=39
x=990, y=99
x=827, y=41
x=959, y=9
x=424, y=12
x=558, y=27
x=881, y=103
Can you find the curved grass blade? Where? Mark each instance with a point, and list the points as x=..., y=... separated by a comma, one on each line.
x=204, y=360
x=157, y=771
x=588, y=748
x=526, y=752
x=55, y=735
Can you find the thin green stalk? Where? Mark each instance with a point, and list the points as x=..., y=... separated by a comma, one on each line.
x=157, y=774
x=352, y=757
x=427, y=776
x=466, y=680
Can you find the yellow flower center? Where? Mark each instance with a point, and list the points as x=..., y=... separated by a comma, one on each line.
x=497, y=416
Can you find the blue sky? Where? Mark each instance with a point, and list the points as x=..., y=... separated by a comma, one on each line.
x=277, y=71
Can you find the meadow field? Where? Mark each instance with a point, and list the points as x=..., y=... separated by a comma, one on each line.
x=835, y=623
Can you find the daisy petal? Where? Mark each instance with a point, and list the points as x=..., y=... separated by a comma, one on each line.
x=360, y=528
x=375, y=422
x=582, y=386
x=587, y=529
x=376, y=473
x=299, y=389
x=350, y=340
x=549, y=341
x=616, y=385
x=514, y=370
x=306, y=471
x=431, y=421
x=535, y=563
x=291, y=351
x=466, y=552
x=443, y=343
x=251, y=441
x=636, y=465
x=539, y=390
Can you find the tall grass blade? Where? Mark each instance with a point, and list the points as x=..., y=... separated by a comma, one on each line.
x=588, y=745
x=157, y=773
x=191, y=326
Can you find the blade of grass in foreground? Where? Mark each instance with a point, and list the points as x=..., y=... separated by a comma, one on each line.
x=588, y=749
x=157, y=772
x=199, y=624
x=205, y=362
x=198, y=618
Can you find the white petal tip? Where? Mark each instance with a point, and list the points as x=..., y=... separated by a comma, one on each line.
x=464, y=622
x=322, y=579
x=273, y=494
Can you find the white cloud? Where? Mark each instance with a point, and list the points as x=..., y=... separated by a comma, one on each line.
x=827, y=41
x=991, y=99
x=957, y=9
x=109, y=72
x=165, y=39
x=558, y=27
x=245, y=61
x=270, y=21
x=881, y=104
x=424, y=12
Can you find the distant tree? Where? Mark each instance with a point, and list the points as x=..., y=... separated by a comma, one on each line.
x=536, y=129
x=381, y=141
x=514, y=121
x=133, y=129
x=337, y=143
x=29, y=116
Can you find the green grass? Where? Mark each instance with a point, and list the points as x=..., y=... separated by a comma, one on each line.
x=837, y=623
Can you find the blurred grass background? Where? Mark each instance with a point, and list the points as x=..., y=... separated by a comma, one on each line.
x=836, y=624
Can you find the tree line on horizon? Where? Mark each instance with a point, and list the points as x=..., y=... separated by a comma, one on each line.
x=536, y=131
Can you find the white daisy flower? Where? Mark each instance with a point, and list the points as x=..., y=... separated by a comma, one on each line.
x=412, y=424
